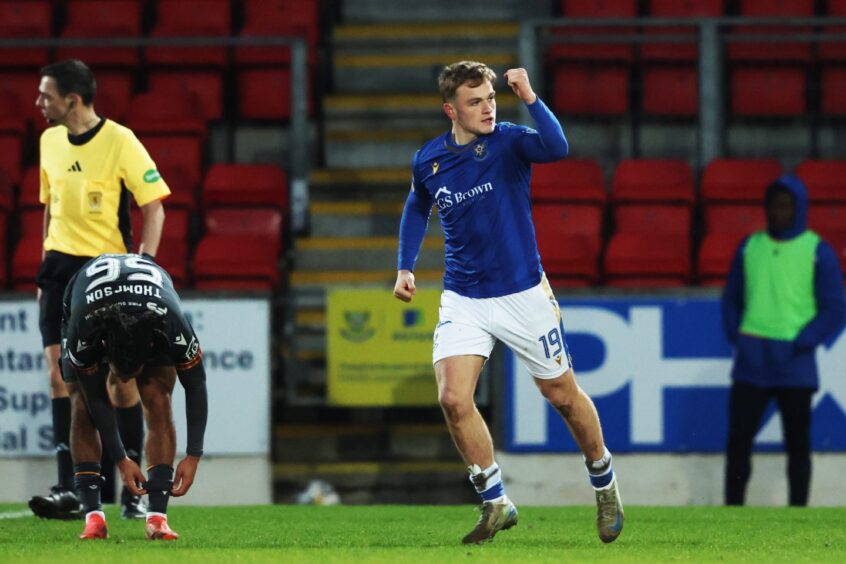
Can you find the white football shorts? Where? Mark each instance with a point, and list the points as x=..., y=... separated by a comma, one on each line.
x=528, y=322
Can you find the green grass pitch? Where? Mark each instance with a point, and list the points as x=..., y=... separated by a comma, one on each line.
x=359, y=534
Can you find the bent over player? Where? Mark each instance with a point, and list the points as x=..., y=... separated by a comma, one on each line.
x=477, y=174
x=123, y=310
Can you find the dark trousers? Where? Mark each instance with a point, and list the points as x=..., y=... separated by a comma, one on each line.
x=747, y=405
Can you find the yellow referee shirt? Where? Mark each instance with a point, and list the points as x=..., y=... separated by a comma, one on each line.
x=86, y=188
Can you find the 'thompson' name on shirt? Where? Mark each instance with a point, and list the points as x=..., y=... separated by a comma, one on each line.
x=137, y=289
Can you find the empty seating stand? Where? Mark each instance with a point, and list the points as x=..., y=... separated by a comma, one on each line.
x=568, y=206
x=652, y=201
x=732, y=195
x=102, y=19
x=240, y=250
x=191, y=18
x=25, y=19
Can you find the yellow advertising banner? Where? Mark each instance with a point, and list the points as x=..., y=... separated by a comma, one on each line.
x=379, y=349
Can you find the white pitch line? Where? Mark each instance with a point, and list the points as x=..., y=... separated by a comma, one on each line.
x=15, y=514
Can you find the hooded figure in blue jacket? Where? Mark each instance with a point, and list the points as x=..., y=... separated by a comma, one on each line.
x=783, y=298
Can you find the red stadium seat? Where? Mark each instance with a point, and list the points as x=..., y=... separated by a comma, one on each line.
x=569, y=240
x=838, y=241
x=102, y=18
x=240, y=245
x=834, y=90
x=778, y=52
x=253, y=99
x=715, y=256
x=647, y=260
x=3, y=261
x=678, y=52
x=833, y=50
x=768, y=91
x=204, y=88
x=30, y=189
x=190, y=18
x=114, y=92
x=172, y=254
x=12, y=120
x=828, y=220
x=23, y=86
x=825, y=180
x=668, y=181
x=671, y=91
x=31, y=224
x=246, y=185
x=569, y=180
x=179, y=160
x=6, y=199
x=278, y=17
x=25, y=19
x=26, y=262
x=166, y=113
x=661, y=219
x=591, y=89
x=11, y=154
x=733, y=219
x=738, y=180
x=598, y=51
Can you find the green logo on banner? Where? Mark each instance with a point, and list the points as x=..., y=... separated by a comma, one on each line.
x=151, y=176
x=358, y=327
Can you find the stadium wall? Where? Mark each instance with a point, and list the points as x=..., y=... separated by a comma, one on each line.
x=235, y=336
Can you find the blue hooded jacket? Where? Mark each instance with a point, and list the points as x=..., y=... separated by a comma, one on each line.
x=769, y=363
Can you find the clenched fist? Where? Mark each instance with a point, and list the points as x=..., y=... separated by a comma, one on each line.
x=518, y=80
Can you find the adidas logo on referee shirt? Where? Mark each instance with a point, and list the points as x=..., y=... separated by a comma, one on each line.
x=75, y=167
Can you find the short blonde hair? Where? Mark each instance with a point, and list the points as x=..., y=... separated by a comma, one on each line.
x=471, y=73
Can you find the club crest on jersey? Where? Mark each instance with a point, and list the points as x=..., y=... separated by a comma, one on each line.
x=480, y=151
x=435, y=167
x=95, y=200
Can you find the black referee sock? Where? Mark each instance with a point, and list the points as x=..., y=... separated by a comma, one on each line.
x=130, y=421
x=61, y=440
x=87, y=482
x=158, y=486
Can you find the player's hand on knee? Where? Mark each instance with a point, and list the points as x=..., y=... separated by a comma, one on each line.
x=131, y=475
x=184, y=476
x=518, y=80
x=405, y=289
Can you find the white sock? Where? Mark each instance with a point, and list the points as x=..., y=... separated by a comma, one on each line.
x=90, y=513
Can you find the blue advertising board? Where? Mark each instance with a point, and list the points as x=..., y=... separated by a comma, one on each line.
x=658, y=371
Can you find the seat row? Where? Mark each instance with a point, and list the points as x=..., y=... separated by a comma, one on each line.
x=646, y=231
x=768, y=91
x=172, y=19
x=244, y=218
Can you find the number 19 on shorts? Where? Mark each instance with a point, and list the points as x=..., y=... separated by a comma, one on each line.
x=551, y=340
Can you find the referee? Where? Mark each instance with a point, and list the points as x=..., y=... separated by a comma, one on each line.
x=89, y=167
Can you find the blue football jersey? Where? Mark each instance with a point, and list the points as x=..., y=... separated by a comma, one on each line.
x=481, y=192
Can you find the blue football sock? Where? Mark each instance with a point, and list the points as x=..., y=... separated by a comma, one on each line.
x=488, y=482
x=600, y=472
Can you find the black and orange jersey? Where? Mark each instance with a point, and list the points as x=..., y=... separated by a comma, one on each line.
x=136, y=284
x=87, y=186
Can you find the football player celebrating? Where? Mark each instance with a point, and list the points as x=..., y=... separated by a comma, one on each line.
x=122, y=314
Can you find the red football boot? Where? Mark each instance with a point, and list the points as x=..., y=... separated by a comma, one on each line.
x=95, y=527
x=158, y=529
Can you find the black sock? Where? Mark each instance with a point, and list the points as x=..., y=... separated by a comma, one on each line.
x=61, y=440
x=158, y=486
x=107, y=472
x=88, y=482
x=130, y=421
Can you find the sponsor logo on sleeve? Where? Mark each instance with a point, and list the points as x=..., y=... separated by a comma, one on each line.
x=151, y=176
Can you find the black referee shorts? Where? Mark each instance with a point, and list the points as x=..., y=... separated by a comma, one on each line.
x=53, y=277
